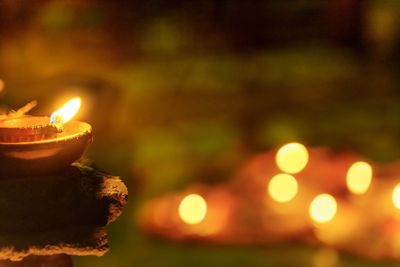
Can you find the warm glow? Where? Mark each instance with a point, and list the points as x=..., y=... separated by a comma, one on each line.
x=323, y=208
x=193, y=209
x=396, y=196
x=326, y=257
x=292, y=158
x=282, y=187
x=359, y=177
x=66, y=112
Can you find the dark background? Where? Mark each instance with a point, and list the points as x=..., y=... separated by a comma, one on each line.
x=184, y=91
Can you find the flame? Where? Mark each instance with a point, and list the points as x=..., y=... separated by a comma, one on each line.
x=282, y=187
x=66, y=112
x=193, y=209
x=359, y=177
x=292, y=158
x=323, y=208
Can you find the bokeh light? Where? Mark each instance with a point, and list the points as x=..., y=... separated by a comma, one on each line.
x=396, y=196
x=282, y=187
x=292, y=158
x=193, y=209
x=359, y=177
x=323, y=208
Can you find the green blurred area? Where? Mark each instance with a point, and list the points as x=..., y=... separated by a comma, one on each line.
x=187, y=91
x=142, y=251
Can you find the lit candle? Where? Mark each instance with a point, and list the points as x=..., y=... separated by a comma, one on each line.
x=61, y=116
x=193, y=209
x=323, y=208
x=33, y=128
x=396, y=196
x=282, y=187
x=358, y=178
x=42, y=145
x=292, y=158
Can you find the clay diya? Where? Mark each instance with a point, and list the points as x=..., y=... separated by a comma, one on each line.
x=32, y=145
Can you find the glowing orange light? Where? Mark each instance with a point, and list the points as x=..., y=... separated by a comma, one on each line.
x=193, y=209
x=396, y=196
x=292, y=157
x=323, y=208
x=66, y=112
x=282, y=187
x=326, y=257
x=359, y=177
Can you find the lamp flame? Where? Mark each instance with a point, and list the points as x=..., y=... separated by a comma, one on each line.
x=396, y=196
x=66, y=112
x=193, y=209
x=359, y=177
x=282, y=187
x=323, y=208
x=292, y=158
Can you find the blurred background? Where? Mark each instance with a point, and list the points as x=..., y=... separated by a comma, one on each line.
x=186, y=91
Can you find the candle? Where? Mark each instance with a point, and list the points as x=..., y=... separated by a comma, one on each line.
x=33, y=128
x=65, y=113
x=358, y=178
x=323, y=208
x=282, y=187
x=193, y=209
x=292, y=158
x=396, y=196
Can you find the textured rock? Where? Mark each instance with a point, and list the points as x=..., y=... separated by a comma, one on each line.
x=59, y=214
x=40, y=261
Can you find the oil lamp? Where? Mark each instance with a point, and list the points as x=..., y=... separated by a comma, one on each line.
x=33, y=145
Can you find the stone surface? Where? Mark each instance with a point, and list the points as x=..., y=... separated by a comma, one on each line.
x=59, y=214
x=40, y=261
